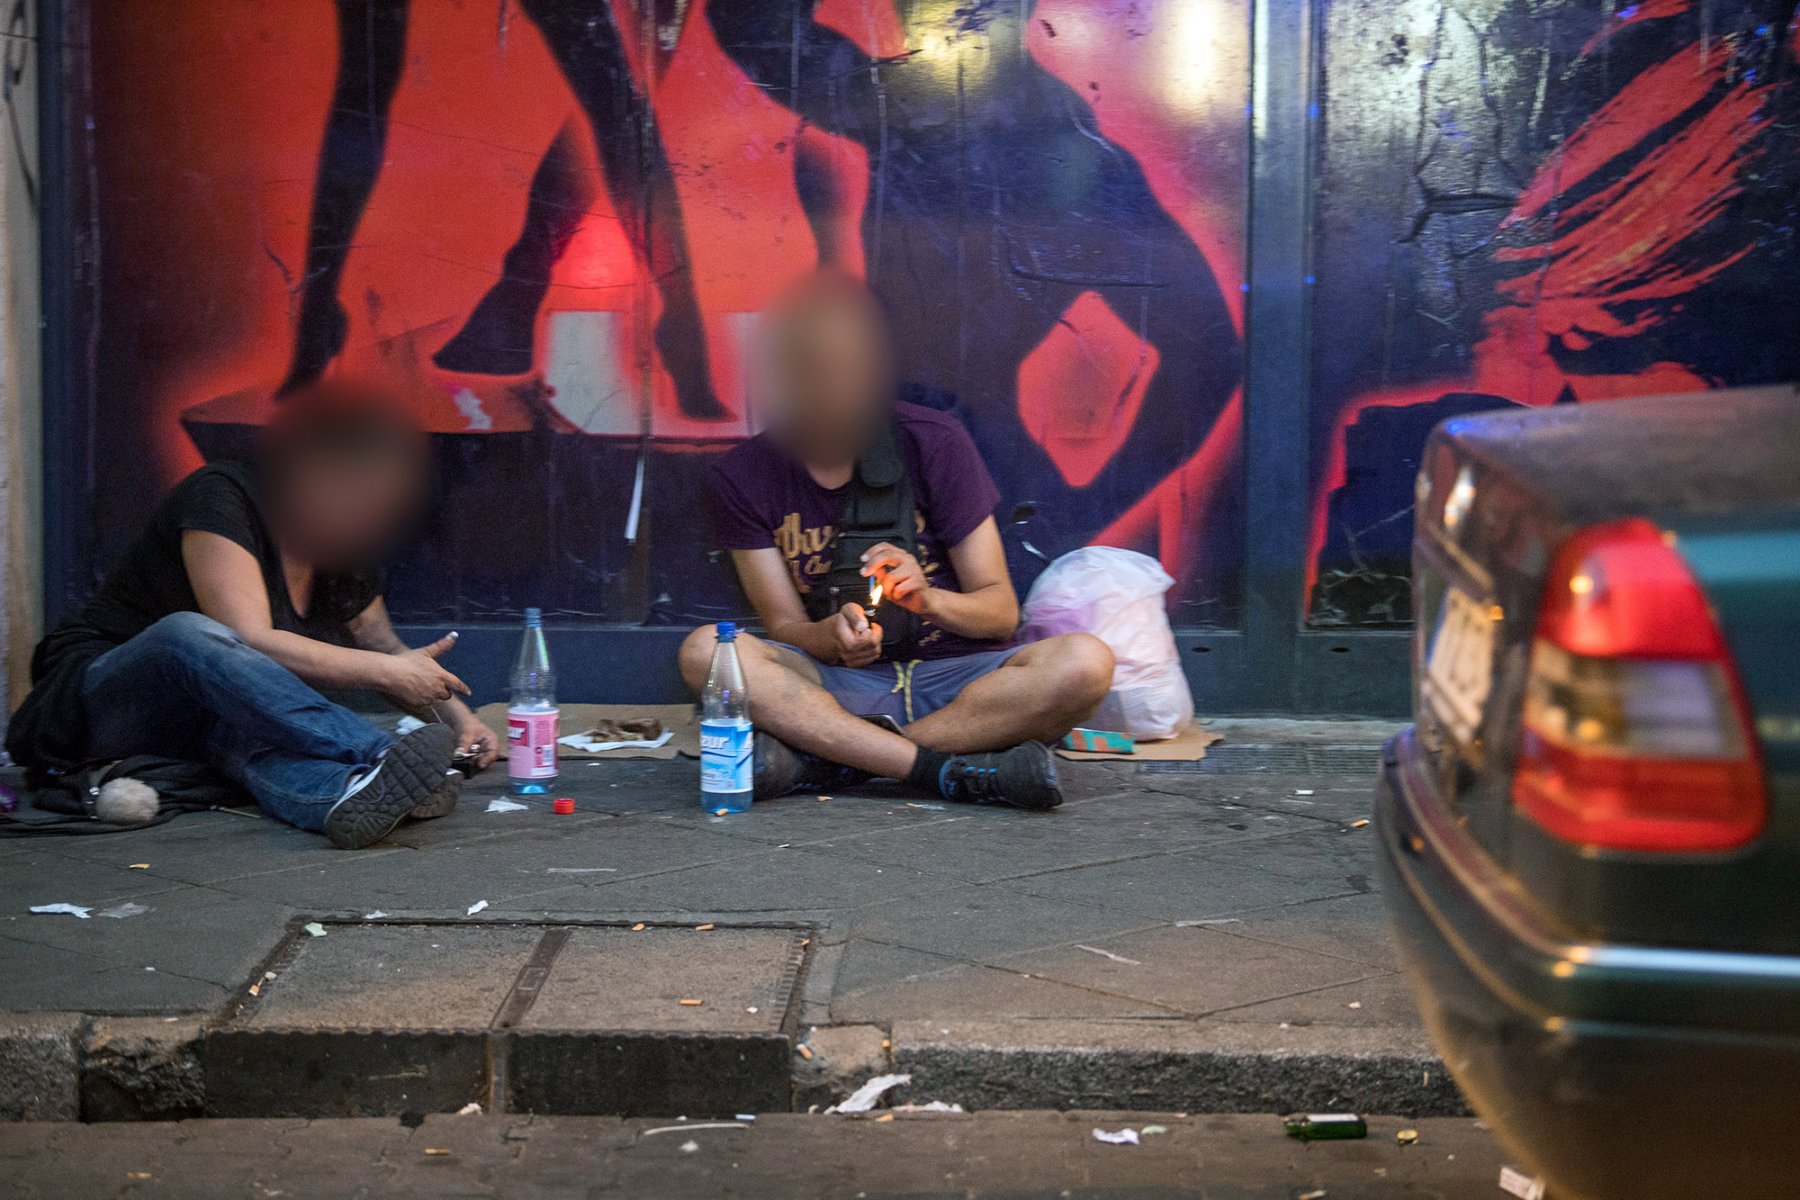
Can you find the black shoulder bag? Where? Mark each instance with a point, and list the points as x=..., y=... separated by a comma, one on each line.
x=878, y=509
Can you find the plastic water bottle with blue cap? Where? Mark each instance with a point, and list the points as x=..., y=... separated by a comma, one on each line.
x=726, y=740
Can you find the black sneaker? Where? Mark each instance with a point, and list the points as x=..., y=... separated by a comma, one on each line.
x=778, y=769
x=1024, y=777
x=442, y=802
x=409, y=774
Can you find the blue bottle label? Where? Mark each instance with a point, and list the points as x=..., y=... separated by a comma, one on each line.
x=725, y=756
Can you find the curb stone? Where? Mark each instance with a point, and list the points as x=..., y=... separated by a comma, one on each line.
x=39, y=1072
x=1176, y=1066
x=142, y=1069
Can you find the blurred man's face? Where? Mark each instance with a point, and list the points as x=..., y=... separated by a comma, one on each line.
x=832, y=374
x=346, y=512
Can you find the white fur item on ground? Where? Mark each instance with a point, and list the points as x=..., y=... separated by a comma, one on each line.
x=126, y=801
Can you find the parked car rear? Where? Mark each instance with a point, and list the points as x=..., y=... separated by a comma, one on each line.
x=1591, y=834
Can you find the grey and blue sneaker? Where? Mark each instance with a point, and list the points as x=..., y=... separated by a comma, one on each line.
x=1024, y=777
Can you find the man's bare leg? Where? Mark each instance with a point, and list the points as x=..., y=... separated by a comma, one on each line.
x=1039, y=694
x=787, y=701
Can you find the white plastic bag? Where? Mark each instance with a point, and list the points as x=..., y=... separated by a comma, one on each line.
x=1117, y=595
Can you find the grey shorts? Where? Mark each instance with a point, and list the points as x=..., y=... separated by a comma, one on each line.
x=906, y=691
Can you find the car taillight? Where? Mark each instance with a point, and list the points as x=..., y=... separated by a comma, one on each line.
x=1636, y=735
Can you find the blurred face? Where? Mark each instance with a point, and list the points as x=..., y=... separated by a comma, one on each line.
x=832, y=373
x=348, y=511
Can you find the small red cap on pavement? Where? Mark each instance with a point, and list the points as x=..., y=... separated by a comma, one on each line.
x=564, y=804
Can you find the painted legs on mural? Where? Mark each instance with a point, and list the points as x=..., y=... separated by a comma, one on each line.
x=371, y=56
x=499, y=336
x=1038, y=694
x=587, y=47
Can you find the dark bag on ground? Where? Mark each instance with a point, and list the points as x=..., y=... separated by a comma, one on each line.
x=74, y=799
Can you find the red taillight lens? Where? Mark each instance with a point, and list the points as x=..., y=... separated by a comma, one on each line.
x=1636, y=736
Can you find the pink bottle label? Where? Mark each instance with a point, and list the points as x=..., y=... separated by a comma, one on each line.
x=531, y=743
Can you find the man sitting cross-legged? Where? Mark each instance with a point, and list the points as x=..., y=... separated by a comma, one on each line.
x=851, y=490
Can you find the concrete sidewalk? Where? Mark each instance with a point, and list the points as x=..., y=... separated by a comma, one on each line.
x=1203, y=937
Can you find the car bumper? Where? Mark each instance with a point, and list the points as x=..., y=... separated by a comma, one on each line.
x=1617, y=1071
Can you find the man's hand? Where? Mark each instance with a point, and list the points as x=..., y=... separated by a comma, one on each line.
x=475, y=738
x=858, y=639
x=415, y=680
x=901, y=577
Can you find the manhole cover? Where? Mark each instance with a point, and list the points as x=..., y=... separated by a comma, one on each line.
x=386, y=1018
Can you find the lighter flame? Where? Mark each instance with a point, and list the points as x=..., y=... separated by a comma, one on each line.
x=875, y=595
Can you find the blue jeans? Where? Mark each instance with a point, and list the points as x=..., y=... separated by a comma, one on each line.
x=189, y=688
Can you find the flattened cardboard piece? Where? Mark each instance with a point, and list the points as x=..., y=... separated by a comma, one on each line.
x=1187, y=746
x=681, y=719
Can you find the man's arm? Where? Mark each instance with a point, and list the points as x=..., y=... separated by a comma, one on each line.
x=846, y=637
x=987, y=607
x=228, y=583
x=373, y=630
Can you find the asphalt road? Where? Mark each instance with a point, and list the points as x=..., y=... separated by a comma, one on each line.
x=1014, y=1155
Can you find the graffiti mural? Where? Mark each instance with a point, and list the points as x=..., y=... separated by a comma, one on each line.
x=1524, y=202
x=555, y=224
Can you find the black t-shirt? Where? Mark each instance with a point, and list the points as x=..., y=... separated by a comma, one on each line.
x=150, y=582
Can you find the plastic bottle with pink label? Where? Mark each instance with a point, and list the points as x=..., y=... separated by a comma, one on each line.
x=531, y=717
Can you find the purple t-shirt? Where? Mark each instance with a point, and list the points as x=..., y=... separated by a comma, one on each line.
x=761, y=497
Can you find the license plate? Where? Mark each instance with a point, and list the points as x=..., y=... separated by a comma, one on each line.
x=1459, y=671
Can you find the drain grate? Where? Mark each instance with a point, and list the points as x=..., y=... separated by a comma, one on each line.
x=1226, y=758
x=381, y=1019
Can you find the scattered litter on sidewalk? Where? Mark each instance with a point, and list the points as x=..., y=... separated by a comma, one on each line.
x=687, y=1126
x=929, y=807
x=138, y=867
x=934, y=1106
x=752, y=1010
x=692, y=1003
x=1209, y=921
x=864, y=1097
x=314, y=928
x=60, y=909
x=499, y=805
x=1359, y=822
x=257, y=987
x=746, y=1116
x=1407, y=1137
x=638, y=928
x=121, y=911
x=1354, y=1004
x=1124, y=1137
x=374, y=916
x=689, y=1146
x=477, y=907
x=703, y=928
x=804, y=1051
x=1152, y=1129
x=471, y=1109
x=1303, y=791
x=1315, y=1194
x=1118, y=958
x=436, y=1152
x=579, y=870
x=1515, y=1182
x=1324, y=1127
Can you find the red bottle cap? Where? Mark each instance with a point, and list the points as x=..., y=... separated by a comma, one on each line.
x=564, y=804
